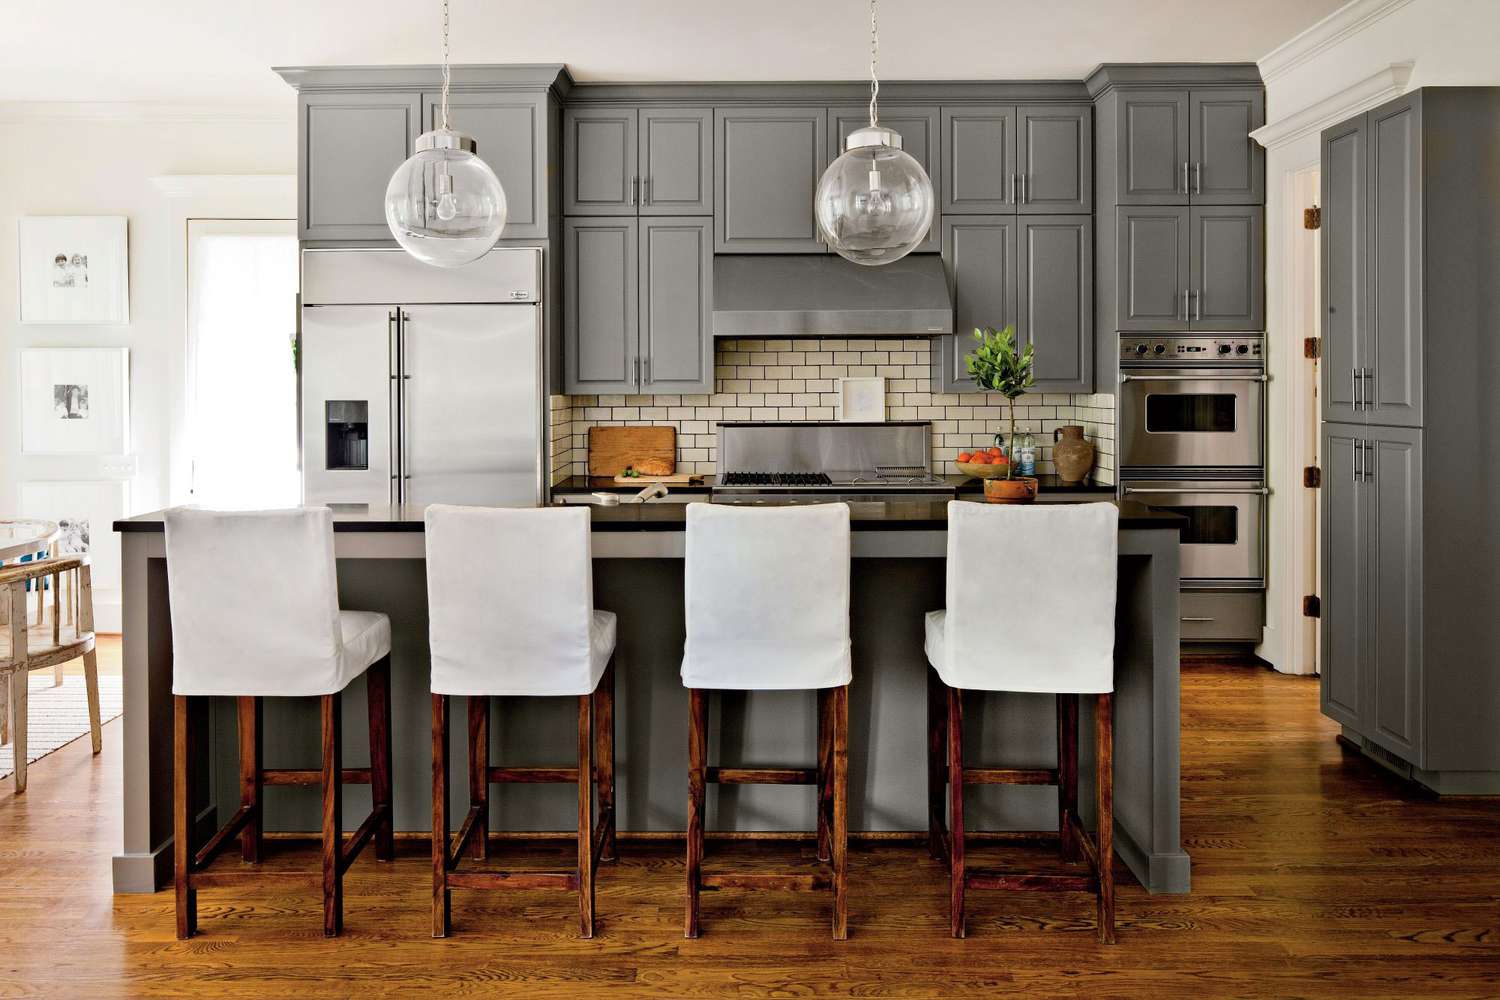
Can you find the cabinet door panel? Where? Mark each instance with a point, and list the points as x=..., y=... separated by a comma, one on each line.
x=599, y=161
x=979, y=254
x=1152, y=260
x=1152, y=143
x=1229, y=167
x=676, y=305
x=600, y=314
x=1394, y=331
x=350, y=145
x=677, y=161
x=1056, y=159
x=1055, y=299
x=1227, y=272
x=1343, y=250
x=1343, y=586
x=509, y=134
x=1394, y=497
x=919, y=128
x=979, y=160
x=767, y=162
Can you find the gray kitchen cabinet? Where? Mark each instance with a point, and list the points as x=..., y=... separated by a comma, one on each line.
x=348, y=146
x=1344, y=197
x=1153, y=261
x=601, y=315
x=1229, y=167
x=979, y=255
x=677, y=161
x=1394, y=316
x=676, y=302
x=1055, y=159
x=1344, y=566
x=920, y=136
x=1055, y=300
x=979, y=160
x=509, y=131
x=600, y=175
x=1152, y=147
x=1227, y=268
x=767, y=161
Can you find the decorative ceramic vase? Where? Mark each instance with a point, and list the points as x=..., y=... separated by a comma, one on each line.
x=1021, y=489
x=1072, y=455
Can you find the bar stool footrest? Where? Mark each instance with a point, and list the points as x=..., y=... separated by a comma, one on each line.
x=312, y=776
x=533, y=775
x=763, y=775
x=513, y=880
x=773, y=881
x=981, y=878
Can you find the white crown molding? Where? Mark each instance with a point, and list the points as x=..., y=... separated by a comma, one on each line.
x=1350, y=19
x=228, y=186
x=145, y=111
x=1372, y=90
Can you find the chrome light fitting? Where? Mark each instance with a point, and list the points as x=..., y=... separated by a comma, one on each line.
x=874, y=203
x=444, y=205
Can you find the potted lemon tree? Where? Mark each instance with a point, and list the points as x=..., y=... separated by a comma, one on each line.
x=997, y=365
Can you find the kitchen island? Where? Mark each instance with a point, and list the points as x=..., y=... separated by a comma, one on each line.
x=898, y=574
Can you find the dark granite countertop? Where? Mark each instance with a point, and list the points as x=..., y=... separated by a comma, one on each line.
x=886, y=516
x=963, y=484
x=1048, y=483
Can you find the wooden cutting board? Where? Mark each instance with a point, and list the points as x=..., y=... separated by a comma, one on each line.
x=614, y=449
x=676, y=479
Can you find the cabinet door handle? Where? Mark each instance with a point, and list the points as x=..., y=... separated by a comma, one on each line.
x=1354, y=388
x=1368, y=393
x=1015, y=196
x=1025, y=195
x=645, y=370
x=645, y=191
x=1197, y=178
x=1368, y=465
x=1197, y=304
x=635, y=371
x=1198, y=621
x=630, y=198
x=1184, y=305
x=1184, y=176
x=1354, y=452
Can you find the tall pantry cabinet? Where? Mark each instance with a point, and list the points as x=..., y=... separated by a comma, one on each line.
x=1410, y=505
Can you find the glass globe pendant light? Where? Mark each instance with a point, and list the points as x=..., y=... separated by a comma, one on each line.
x=444, y=205
x=874, y=203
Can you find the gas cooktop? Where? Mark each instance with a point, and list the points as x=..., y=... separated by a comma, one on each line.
x=884, y=478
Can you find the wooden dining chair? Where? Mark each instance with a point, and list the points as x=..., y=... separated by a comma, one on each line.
x=27, y=645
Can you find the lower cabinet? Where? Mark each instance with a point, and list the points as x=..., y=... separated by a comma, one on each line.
x=1035, y=272
x=637, y=301
x=1371, y=615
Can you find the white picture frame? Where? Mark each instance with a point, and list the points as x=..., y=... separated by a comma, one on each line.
x=74, y=269
x=862, y=400
x=75, y=401
x=85, y=512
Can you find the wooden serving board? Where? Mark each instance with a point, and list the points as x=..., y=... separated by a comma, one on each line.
x=679, y=478
x=612, y=450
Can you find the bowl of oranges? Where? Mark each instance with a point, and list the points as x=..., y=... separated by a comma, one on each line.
x=983, y=463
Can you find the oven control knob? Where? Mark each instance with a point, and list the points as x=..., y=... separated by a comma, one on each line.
x=1140, y=349
x=1223, y=348
x=1160, y=349
x=1242, y=349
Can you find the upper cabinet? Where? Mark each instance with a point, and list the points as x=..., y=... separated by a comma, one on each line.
x=1027, y=159
x=979, y=155
x=646, y=161
x=919, y=129
x=1177, y=146
x=509, y=133
x=767, y=162
x=348, y=146
x=1190, y=268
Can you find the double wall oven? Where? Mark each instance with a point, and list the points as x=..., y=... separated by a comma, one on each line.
x=1192, y=440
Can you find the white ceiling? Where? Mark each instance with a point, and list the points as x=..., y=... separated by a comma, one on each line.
x=221, y=51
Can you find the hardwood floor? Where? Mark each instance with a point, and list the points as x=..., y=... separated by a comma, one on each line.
x=1314, y=875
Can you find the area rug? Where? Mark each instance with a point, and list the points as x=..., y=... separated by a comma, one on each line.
x=56, y=716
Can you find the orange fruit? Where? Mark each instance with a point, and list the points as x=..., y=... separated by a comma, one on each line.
x=964, y=456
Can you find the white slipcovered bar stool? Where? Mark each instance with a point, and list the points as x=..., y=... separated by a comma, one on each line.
x=767, y=592
x=1059, y=565
x=510, y=599
x=255, y=615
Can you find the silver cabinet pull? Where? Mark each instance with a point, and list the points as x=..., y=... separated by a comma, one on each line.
x=1368, y=465
x=634, y=184
x=1025, y=195
x=635, y=369
x=405, y=438
x=1354, y=452
x=1184, y=305
x=1197, y=304
x=645, y=191
x=1354, y=388
x=1197, y=621
x=1015, y=196
x=1197, y=178
x=394, y=401
x=1185, y=177
x=645, y=369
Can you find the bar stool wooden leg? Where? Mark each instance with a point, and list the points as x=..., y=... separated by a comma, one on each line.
x=85, y=623
x=840, y=835
x=825, y=773
x=1104, y=753
x=937, y=765
x=479, y=774
x=182, y=847
x=1067, y=775
x=378, y=695
x=604, y=757
x=956, y=871
x=585, y=817
x=252, y=789
x=442, y=897
x=333, y=834
x=18, y=723
x=697, y=779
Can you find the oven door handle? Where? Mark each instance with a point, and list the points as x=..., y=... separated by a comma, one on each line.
x=1260, y=491
x=1126, y=377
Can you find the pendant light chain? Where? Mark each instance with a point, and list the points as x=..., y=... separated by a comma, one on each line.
x=874, y=53
x=446, y=74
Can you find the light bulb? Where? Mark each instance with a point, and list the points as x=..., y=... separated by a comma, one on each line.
x=874, y=203
x=432, y=221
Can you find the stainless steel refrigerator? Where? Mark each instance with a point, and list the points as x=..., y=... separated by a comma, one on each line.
x=419, y=384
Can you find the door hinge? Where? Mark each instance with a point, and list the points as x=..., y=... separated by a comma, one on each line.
x=1312, y=348
x=1312, y=477
x=1312, y=218
x=1312, y=606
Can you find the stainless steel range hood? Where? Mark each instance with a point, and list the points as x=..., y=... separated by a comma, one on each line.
x=812, y=295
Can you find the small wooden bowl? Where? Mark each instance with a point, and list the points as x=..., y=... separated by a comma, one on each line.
x=978, y=471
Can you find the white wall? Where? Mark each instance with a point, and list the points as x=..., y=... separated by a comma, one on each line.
x=101, y=161
x=1367, y=52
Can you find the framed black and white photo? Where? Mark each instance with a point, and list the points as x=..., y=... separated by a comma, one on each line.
x=74, y=269
x=75, y=400
x=85, y=512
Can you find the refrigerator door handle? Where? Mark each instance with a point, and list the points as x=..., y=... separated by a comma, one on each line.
x=405, y=437
x=393, y=398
